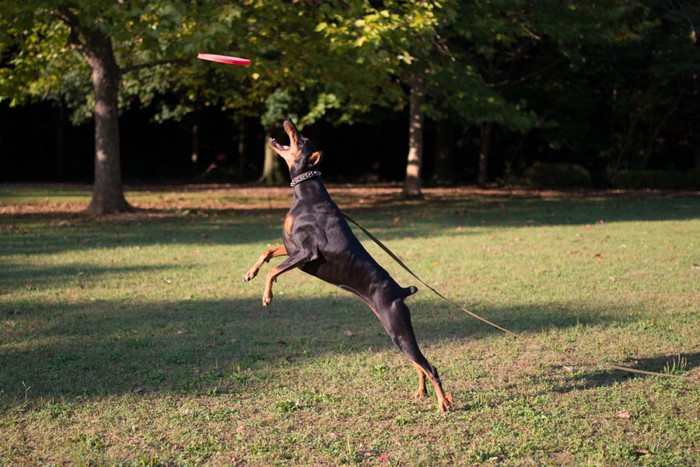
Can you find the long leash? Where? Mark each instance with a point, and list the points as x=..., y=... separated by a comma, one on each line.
x=408, y=270
x=474, y=315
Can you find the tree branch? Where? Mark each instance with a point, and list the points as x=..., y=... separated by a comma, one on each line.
x=68, y=18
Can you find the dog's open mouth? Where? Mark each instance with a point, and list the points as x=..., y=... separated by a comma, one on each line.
x=277, y=145
x=286, y=150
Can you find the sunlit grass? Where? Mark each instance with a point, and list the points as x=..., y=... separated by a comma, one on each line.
x=132, y=339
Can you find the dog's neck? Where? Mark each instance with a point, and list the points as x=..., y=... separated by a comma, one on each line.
x=304, y=177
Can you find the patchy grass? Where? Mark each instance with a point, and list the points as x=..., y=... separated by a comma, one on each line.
x=131, y=339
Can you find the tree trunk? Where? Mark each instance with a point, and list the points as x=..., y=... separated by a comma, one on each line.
x=107, y=194
x=96, y=49
x=60, y=138
x=241, y=149
x=271, y=172
x=412, y=183
x=194, y=156
x=484, y=152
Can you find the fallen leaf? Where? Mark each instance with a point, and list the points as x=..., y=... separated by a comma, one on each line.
x=623, y=414
x=695, y=266
x=383, y=457
x=350, y=333
x=613, y=279
x=642, y=452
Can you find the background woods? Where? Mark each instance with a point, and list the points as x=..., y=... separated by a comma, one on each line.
x=568, y=93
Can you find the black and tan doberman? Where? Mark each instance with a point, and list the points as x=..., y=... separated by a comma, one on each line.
x=318, y=240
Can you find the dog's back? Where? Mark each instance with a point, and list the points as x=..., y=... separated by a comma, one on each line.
x=317, y=223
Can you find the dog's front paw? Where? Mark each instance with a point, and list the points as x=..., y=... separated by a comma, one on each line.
x=250, y=275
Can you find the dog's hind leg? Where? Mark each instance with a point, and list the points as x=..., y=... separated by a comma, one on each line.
x=396, y=319
x=422, y=391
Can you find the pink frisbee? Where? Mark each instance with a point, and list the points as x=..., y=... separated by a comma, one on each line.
x=224, y=59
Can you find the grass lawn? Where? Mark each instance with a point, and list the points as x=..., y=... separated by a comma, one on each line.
x=132, y=339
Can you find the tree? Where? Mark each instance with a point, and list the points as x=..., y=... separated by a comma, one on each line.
x=96, y=49
x=393, y=42
x=657, y=75
x=293, y=71
x=46, y=38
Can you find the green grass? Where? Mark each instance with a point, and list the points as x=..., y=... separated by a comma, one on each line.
x=132, y=340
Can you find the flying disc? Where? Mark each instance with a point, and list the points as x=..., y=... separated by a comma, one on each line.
x=224, y=59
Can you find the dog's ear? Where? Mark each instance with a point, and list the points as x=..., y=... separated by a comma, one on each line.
x=315, y=158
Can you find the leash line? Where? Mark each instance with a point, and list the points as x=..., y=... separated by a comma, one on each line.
x=644, y=372
x=474, y=315
x=407, y=269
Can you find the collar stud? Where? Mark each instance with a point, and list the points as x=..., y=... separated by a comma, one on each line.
x=305, y=176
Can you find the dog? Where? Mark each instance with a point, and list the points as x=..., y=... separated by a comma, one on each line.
x=317, y=240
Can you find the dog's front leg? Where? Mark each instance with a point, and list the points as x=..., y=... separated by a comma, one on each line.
x=298, y=259
x=264, y=258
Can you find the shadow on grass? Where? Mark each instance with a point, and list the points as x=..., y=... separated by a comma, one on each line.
x=110, y=347
x=682, y=364
x=30, y=277
x=387, y=216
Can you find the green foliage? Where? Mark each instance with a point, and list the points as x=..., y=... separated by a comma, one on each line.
x=562, y=175
x=653, y=77
x=149, y=40
x=279, y=105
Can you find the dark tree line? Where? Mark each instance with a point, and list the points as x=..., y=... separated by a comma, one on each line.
x=479, y=89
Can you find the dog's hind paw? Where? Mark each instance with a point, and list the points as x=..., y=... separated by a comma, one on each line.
x=420, y=394
x=267, y=298
x=445, y=404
